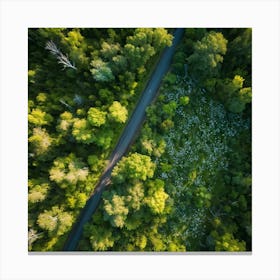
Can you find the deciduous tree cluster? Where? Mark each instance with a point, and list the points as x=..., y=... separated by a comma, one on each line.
x=83, y=83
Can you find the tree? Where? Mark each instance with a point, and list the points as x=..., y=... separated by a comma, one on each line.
x=170, y=78
x=65, y=122
x=76, y=199
x=77, y=45
x=156, y=196
x=141, y=241
x=135, y=166
x=135, y=196
x=159, y=148
x=68, y=171
x=227, y=242
x=95, y=163
x=143, y=44
x=101, y=238
x=62, y=59
x=238, y=60
x=101, y=72
x=184, y=100
x=37, y=191
x=118, y=112
x=161, y=38
x=82, y=131
x=109, y=51
x=119, y=63
x=40, y=141
x=206, y=60
x=41, y=97
x=147, y=146
x=104, y=138
x=170, y=108
x=96, y=117
x=232, y=93
x=115, y=209
x=39, y=118
x=55, y=220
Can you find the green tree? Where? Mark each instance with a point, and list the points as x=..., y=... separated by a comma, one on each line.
x=101, y=71
x=95, y=163
x=109, y=51
x=40, y=141
x=39, y=118
x=170, y=108
x=135, y=196
x=55, y=220
x=37, y=191
x=156, y=196
x=161, y=38
x=238, y=60
x=206, y=60
x=184, y=100
x=68, y=171
x=104, y=139
x=65, y=122
x=141, y=241
x=96, y=117
x=119, y=63
x=227, y=242
x=82, y=131
x=76, y=199
x=233, y=94
x=118, y=112
x=77, y=47
x=135, y=166
x=115, y=210
x=101, y=238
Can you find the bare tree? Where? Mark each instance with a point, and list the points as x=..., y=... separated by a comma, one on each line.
x=62, y=59
x=32, y=237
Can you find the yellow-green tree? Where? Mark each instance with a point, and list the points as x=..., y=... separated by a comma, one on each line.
x=135, y=166
x=117, y=112
x=55, y=221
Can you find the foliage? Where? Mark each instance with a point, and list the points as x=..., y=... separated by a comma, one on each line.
x=55, y=220
x=68, y=171
x=101, y=71
x=118, y=112
x=199, y=197
x=156, y=197
x=115, y=210
x=83, y=83
x=37, y=191
x=184, y=184
x=135, y=166
x=39, y=118
x=205, y=62
x=96, y=117
x=82, y=131
x=40, y=140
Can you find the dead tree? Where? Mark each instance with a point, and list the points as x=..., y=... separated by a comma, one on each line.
x=62, y=59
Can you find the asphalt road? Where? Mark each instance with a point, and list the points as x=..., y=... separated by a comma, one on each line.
x=125, y=140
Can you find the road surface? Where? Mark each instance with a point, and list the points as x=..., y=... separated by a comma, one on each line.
x=125, y=140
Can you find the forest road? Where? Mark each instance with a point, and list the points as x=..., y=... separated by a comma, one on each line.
x=125, y=140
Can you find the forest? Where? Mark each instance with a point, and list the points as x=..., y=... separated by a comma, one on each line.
x=185, y=182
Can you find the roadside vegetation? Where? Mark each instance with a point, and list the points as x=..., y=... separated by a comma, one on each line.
x=185, y=183
x=83, y=84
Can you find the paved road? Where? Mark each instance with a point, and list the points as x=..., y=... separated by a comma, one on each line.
x=125, y=140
